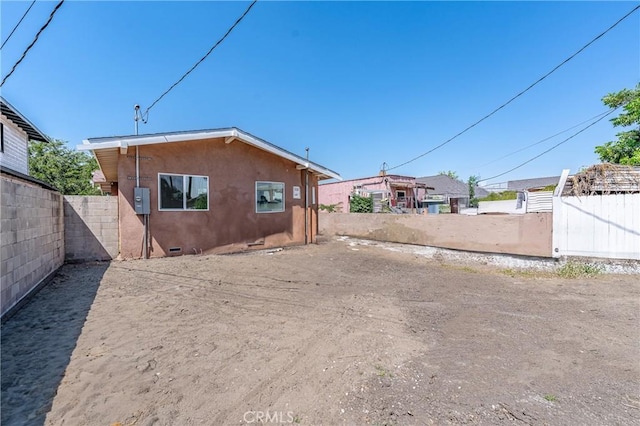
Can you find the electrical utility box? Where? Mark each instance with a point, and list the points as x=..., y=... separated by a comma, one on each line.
x=141, y=202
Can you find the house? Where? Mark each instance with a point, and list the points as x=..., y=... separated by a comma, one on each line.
x=218, y=190
x=520, y=185
x=15, y=133
x=32, y=231
x=396, y=191
x=449, y=191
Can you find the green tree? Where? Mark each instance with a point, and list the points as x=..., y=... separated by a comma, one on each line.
x=450, y=173
x=66, y=170
x=625, y=150
x=472, y=182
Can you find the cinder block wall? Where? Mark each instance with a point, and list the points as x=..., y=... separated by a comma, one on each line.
x=91, y=228
x=523, y=234
x=32, y=235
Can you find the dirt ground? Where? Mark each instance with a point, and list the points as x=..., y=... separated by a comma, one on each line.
x=335, y=333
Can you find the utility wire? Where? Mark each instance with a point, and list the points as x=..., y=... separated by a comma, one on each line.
x=146, y=113
x=541, y=141
x=53, y=12
x=521, y=93
x=18, y=24
x=552, y=148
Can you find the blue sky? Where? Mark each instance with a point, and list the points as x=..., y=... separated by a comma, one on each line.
x=360, y=83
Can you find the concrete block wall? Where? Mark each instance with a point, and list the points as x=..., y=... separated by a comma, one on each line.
x=32, y=237
x=523, y=234
x=91, y=228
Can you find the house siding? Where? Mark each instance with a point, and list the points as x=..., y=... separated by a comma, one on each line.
x=231, y=223
x=15, y=147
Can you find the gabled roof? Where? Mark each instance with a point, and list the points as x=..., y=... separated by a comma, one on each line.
x=106, y=149
x=21, y=121
x=446, y=185
x=523, y=184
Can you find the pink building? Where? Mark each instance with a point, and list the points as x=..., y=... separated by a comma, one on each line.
x=393, y=190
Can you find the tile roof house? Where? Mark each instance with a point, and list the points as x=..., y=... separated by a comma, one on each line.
x=216, y=190
x=450, y=188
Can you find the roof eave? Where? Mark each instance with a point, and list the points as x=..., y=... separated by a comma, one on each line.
x=127, y=141
x=33, y=133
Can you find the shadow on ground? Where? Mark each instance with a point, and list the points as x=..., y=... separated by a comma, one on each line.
x=37, y=342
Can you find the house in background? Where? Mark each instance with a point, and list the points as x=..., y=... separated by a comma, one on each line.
x=218, y=190
x=32, y=231
x=15, y=133
x=448, y=191
x=401, y=193
x=520, y=185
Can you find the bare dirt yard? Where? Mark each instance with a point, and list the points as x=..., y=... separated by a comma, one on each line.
x=335, y=333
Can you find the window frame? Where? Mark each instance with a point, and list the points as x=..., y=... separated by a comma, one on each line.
x=255, y=192
x=184, y=193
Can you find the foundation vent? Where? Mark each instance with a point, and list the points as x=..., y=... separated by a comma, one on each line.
x=175, y=249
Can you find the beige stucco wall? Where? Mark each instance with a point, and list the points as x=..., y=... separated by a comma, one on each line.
x=231, y=224
x=32, y=235
x=91, y=227
x=528, y=234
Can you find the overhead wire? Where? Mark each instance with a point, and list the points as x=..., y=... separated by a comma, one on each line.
x=146, y=113
x=551, y=148
x=18, y=24
x=541, y=141
x=53, y=12
x=520, y=93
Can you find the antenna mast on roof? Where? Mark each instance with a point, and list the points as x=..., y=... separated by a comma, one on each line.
x=136, y=117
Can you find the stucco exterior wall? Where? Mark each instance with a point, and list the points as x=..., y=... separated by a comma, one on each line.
x=32, y=235
x=528, y=235
x=15, y=147
x=91, y=228
x=339, y=192
x=231, y=224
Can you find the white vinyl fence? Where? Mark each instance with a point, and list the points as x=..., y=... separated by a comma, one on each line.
x=597, y=226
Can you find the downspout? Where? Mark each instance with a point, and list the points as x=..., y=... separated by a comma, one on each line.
x=145, y=217
x=306, y=200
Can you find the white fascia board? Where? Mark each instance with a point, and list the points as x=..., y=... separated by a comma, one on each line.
x=102, y=145
x=281, y=153
x=181, y=137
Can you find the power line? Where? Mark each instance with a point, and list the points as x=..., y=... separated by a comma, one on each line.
x=522, y=92
x=541, y=141
x=146, y=113
x=18, y=24
x=552, y=148
x=53, y=12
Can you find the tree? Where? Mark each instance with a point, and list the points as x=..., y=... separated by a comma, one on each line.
x=626, y=150
x=450, y=173
x=472, y=183
x=66, y=170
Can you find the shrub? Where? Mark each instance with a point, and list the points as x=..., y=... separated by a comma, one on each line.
x=360, y=204
x=499, y=196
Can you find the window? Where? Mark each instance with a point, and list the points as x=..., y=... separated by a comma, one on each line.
x=400, y=194
x=269, y=197
x=183, y=192
x=1, y=137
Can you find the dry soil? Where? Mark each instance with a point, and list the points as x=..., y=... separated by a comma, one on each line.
x=335, y=333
